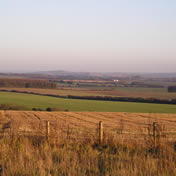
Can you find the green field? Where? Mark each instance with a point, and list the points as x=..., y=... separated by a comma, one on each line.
x=36, y=101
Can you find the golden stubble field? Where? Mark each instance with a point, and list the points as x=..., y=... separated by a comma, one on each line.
x=127, y=148
x=84, y=124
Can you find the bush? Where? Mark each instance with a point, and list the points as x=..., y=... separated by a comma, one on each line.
x=12, y=107
x=36, y=109
x=48, y=109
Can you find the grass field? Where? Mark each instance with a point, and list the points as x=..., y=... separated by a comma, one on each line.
x=35, y=101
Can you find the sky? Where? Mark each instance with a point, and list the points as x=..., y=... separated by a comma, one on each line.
x=88, y=35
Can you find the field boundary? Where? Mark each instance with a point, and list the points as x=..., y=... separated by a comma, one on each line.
x=101, y=98
x=100, y=132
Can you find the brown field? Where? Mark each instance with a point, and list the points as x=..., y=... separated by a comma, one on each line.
x=61, y=92
x=153, y=93
x=85, y=124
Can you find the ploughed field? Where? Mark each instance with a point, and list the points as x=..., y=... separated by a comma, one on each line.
x=81, y=125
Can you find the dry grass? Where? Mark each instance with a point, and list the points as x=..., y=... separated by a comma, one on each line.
x=72, y=149
x=34, y=156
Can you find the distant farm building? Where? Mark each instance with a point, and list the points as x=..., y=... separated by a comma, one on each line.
x=172, y=89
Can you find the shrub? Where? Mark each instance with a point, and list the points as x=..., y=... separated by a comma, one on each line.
x=12, y=107
x=36, y=109
x=48, y=109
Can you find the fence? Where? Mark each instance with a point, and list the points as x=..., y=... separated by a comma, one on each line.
x=50, y=130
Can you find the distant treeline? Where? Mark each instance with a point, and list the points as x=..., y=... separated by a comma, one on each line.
x=26, y=83
x=125, y=99
x=143, y=84
x=172, y=89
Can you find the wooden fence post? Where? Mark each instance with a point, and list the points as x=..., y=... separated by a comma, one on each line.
x=154, y=132
x=47, y=129
x=100, y=132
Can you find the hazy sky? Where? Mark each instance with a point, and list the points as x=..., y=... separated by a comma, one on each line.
x=88, y=35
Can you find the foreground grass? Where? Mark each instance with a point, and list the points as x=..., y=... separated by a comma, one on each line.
x=20, y=156
x=64, y=153
x=35, y=101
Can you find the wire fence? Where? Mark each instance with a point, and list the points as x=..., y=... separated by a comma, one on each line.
x=97, y=132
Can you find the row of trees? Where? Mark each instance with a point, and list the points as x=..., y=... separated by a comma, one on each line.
x=27, y=83
x=125, y=99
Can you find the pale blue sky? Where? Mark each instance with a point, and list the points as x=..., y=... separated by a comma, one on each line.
x=88, y=35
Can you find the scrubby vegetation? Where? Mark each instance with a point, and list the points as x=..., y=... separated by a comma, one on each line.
x=24, y=108
x=50, y=109
x=12, y=107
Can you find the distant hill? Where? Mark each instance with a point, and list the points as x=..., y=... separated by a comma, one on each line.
x=61, y=74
